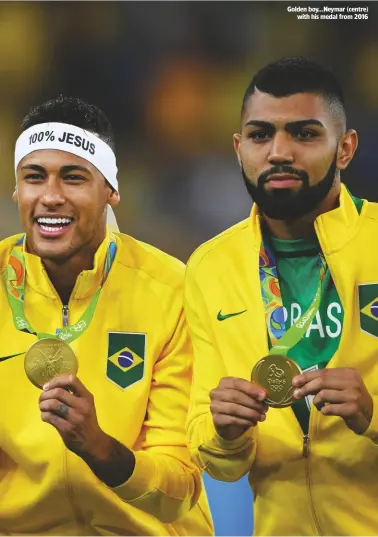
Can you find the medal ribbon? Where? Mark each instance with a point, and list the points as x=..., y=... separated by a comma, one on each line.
x=283, y=340
x=15, y=280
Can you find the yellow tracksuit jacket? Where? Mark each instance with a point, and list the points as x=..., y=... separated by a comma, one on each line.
x=328, y=486
x=46, y=489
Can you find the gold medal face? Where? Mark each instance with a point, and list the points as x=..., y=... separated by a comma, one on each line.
x=275, y=373
x=49, y=358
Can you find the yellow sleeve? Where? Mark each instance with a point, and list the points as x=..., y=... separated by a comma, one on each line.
x=166, y=483
x=223, y=460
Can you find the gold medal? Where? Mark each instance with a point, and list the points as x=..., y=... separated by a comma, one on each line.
x=49, y=358
x=275, y=373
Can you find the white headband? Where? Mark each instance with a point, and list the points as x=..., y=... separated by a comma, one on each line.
x=77, y=141
x=73, y=140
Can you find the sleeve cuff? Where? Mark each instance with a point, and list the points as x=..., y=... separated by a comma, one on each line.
x=142, y=481
x=372, y=431
x=214, y=441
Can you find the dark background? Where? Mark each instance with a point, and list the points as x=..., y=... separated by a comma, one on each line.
x=171, y=76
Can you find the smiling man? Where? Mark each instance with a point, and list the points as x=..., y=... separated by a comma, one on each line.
x=95, y=357
x=282, y=311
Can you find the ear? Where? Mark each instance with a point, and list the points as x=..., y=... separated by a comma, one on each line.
x=237, y=138
x=347, y=147
x=113, y=198
x=15, y=195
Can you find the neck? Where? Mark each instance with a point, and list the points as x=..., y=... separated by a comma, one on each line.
x=304, y=226
x=63, y=276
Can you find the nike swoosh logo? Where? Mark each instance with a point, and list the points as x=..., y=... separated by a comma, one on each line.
x=11, y=356
x=222, y=317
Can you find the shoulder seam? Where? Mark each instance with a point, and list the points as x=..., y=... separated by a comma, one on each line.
x=149, y=275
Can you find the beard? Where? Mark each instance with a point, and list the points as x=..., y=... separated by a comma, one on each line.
x=284, y=203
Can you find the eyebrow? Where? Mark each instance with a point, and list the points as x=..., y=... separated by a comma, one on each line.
x=34, y=167
x=290, y=125
x=63, y=169
x=73, y=167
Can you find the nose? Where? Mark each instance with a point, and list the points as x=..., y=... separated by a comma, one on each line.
x=53, y=194
x=281, y=151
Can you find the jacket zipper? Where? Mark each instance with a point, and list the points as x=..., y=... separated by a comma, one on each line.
x=77, y=513
x=306, y=455
x=65, y=311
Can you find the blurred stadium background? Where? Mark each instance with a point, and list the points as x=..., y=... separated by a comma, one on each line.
x=171, y=76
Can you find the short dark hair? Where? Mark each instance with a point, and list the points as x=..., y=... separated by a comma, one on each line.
x=292, y=75
x=73, y=111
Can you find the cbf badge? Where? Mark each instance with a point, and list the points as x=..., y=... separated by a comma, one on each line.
x=126, y=355
x=368, y=304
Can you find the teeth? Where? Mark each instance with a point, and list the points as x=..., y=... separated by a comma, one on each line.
x=55, y=221
x=47, y=228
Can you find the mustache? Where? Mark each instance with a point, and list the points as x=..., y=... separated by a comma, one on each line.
x=283, y=168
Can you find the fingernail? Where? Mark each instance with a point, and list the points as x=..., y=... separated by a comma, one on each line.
x=262, y=417
x=295, y=381
x=46, y=387
x=261, y=396
x=297, y=394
